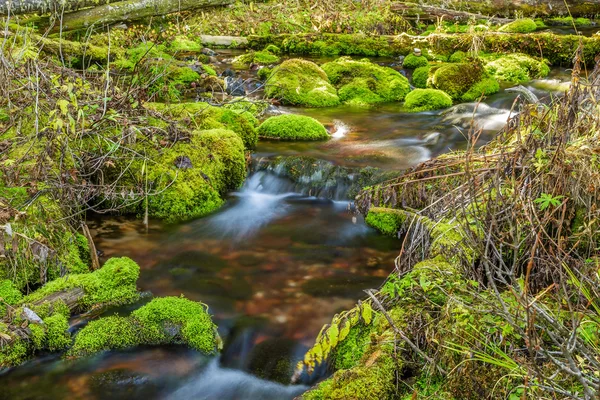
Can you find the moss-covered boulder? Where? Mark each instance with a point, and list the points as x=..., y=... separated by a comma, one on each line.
x=412, y=61
x=293, y=127
x=301, y=83
x=524, y=25
x=199, y=115
x=427, y=99
x=517, y=68
x=191, y=179
x=361, y=82
x=458, y=79
x=265, y=57
x=420, y=76
x=114, y=283
x=168, y=320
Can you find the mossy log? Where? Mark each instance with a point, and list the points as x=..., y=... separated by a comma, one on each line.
x=131, y=10
x=17, y=7
x=558, y=49
x=432, y=13
x=528, y=8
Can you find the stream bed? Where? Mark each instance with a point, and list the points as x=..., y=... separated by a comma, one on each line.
x=273, y=265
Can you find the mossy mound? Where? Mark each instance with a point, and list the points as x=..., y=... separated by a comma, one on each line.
x=293, y=127
x=525, y=25
x=361, y=82
x=427, y=99
x=182, y=44
x=203, y=116
x=168, y=320
x=457, y=57
x=114, y=283
x=517, y=68
x=420, y=76
x=484, y=87
x=413, y=62
x=9, y=295
x=264, y=57
x=461, y=78
x=302, y=83
x=191, y=179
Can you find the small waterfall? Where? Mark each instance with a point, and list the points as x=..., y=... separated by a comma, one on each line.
x=220, y=383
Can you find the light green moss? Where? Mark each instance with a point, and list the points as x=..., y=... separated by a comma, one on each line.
x=412, y=62
x=181, y=44
x=458, y=57
x=14, y=354
x=456, y=79
x=363, y=82
x=293, y=127
x=427, y=99
x=420, y=77
x=114, y=283
x=386, y=220
x=517, y=68
x=57, y=335
x=9, y=294
x=525, y=25
x=169, y=320
x=485, y=87
x=264, y=57
x=302, y=83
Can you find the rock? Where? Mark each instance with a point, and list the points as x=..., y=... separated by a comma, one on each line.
x=213, y=60
x=183, y=162
x=234, y=86
x=209, y=52
x=228, y=72
x=432, y=138
x=31, y=316
x=417, y=52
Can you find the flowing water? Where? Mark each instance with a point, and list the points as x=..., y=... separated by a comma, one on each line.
x=273, y=265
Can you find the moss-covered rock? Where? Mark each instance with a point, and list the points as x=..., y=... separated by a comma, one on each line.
x=458, y=56
x=293, y=127
x=413, y=62
x=463, y=81
x=114, y=283
x=420, y=76
x=199, y=115
x=427, y=99
x=517, y=68
x=386, y=220
x=302, y=83
x=361, y=82
x=168, y=320
x=524, y=25
x=484, y=87
x=264, y=57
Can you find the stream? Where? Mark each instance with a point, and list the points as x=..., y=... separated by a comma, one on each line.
x=273, y=265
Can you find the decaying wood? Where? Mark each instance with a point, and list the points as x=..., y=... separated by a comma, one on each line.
x=432, y=13
x=16, y=7
x=131, y=10
x=70, y=297
x=93, y=252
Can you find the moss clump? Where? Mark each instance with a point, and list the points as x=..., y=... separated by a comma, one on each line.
x=485, y=87
x=201, y=116
x=293, y=127
x=218, y=165
x=362, y=82
x=302, y=83
x=420, y=76
x=517, y=68
x=273, y=49
x=114, y=283
x=525, y=25
x=460, y=78
x=427, y=99
x=9, y=294
x=181, y=44
x=264, y=73
x=386, y=220
x=57, y=335
x=265, y=57
x=457, y=57
x=168, y=320
x=412, y=62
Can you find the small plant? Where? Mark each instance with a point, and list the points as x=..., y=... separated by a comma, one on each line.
x=546, y=200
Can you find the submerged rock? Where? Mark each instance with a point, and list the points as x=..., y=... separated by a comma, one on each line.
x=302, y=83
x=234, y=86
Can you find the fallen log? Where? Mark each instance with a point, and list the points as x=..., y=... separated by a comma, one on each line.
x=17, y=7
x=130, y=10
x=431, y=13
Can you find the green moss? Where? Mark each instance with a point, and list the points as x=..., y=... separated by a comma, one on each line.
x=349, y=351
x=264, y=73
x=209, y=70
x=570, y=21
x=273, y=49
x=218, y=165
x=517, y=68
x=412, y=62
x=363, y=82
x=169, y=320
x=37, y=334
x=258, y=57
x=420, y=77
x=14, y=354
x=458, y=57
x=57, y=335
x=9, y=294
x=203, y=116
x=114, y=283
x=303, y=83
x=456, y=79
x=148, y=50
x=525, y=25
x=485, y=87
x=264, y=57
x=386, y=220
x=427, y=99
x=181, y=44
x=293, y=127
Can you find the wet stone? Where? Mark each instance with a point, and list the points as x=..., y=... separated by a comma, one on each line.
x=183, y=162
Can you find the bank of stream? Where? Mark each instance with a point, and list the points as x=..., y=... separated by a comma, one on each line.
x=273, y=265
